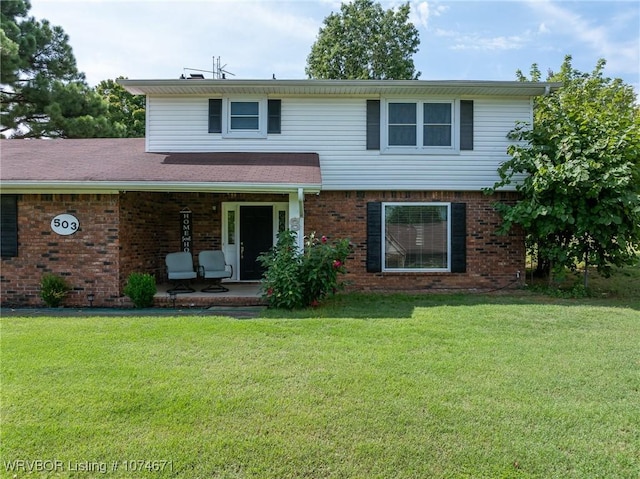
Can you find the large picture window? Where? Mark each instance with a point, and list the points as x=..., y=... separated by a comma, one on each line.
x=416, y=236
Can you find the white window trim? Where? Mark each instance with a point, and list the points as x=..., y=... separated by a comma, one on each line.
x=261, y=132
x=385, y=148
x=384, y=238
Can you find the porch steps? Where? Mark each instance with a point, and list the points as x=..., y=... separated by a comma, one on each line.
x=239, y=295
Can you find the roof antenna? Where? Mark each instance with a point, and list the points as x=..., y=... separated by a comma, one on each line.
x=218, y=72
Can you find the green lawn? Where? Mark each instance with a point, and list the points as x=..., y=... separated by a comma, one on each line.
x=368, y=386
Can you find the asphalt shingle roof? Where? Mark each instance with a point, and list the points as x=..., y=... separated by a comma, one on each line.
x=124, y=160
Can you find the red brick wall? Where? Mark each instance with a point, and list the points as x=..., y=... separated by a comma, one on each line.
x=118, y=235
x=492, y=260
x=133, y=231
x=87, y=259
x=151, y=226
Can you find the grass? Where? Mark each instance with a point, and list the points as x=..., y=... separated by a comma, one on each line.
x=365, y=387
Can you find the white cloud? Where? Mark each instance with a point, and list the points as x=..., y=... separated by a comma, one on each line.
x=476, y=41
x=471, y=42
x=421, y=12
x=600, y=38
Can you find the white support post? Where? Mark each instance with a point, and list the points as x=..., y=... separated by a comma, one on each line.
x=296, y=216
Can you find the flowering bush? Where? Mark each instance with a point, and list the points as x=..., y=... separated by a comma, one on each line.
x=293, y=280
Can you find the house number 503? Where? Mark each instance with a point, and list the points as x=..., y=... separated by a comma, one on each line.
x=65, y=224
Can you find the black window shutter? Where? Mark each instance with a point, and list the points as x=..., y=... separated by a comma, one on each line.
x=466, y=124
x=274, y=114
x=9, y=226
x=373, y=124
x=374, y=237
x=215, y=115
x=458, y=237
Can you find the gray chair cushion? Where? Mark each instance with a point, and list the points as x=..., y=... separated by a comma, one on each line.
x=213, y=265
x=180, y=265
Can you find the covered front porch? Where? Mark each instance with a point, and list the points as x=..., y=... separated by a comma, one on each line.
x=242, y=216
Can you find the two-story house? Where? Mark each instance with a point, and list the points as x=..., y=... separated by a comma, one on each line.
x=396, y=166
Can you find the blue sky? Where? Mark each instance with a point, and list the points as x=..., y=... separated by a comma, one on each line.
x=459, y=40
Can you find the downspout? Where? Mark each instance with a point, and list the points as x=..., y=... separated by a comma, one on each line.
x=301, y=201
x=301, y=219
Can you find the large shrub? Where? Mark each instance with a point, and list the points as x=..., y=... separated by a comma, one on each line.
x=295, y=279
x=53, y=290
x=141, y=288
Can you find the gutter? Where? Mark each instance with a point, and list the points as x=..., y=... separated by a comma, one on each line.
x=113, y=187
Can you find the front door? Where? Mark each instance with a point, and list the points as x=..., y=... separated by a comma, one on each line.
x=256, y=237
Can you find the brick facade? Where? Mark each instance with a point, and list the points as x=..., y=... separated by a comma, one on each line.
x=119, y=234
x=133, y=232
x=492, y=260
x=87, y=259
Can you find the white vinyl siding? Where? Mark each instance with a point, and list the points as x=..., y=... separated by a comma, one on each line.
x=335, y=128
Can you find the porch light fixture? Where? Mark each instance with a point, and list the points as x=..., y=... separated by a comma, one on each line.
x=90, y=298
x=172, y=298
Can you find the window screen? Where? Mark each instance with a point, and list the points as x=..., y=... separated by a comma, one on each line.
x=245, y=115
x=402, y=124
x=437, y=124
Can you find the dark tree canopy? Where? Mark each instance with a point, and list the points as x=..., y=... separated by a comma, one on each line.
x=364, y=42
x=578, y=170
x=42, y=93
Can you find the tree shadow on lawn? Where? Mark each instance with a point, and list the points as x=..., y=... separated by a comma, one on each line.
x=402, y=305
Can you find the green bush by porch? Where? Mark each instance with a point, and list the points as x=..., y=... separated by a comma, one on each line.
x=294, y=279
x=141, y=287
x=53, y=289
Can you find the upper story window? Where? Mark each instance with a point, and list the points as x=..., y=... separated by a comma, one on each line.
x=244, y=118
x=437, y=124
x=420, y=126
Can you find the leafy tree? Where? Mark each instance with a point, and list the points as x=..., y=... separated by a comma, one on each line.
x=42, y=93
x=578, y=170
x=126, y=111
x=365, y=42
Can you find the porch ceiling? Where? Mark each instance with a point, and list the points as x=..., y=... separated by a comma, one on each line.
x=122, y=164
